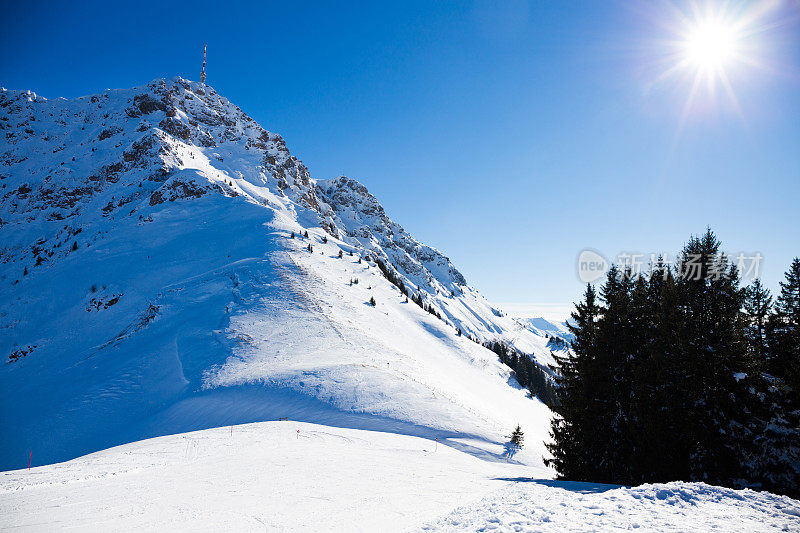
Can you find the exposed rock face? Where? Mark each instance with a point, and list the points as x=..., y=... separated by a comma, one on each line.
x=356, y=215
x=73, y=171
x=115, y=154
x=165, y=261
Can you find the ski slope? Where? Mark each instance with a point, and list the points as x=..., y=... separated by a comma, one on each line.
x=292, y=476
x=150, y=285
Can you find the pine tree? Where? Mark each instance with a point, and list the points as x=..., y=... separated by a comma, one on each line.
x=74, y=246
x=657, y=409
x=572, y=426
x=325, y=239
x=372, y=301
x=292, y=236
x=757, y=307
x=517, y=437
x=306, y=234
x=610, y=390
x=522, y=374
x=310, y=248
x=785, y=329
x=714, y=352
x=340, y=254
x=774, y=462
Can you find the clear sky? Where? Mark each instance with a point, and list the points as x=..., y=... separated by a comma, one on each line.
x=510, y=135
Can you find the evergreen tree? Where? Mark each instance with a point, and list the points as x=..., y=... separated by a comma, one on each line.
x=610, y=390
x=522, y=372
x=757, y=307
x=517, y=437
x=774, y=461
x=657, y=409
x=573, y=426
x=372, y=301
x=715, y=354
x=785, y=331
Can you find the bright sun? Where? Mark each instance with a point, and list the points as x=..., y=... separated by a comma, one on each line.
x=713, y=46
x=710, y=45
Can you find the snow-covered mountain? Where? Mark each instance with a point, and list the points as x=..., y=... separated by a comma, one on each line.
x=155, y=278
x=558, y=334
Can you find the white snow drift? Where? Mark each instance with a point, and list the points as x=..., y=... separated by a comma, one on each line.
x=268, y=476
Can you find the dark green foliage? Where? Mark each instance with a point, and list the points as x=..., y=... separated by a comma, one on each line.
x=572, y=428
x=517, y=437
x=391, y=275
x=757, y=308
x=784, y=327
x=680, y=374
x=527, y=372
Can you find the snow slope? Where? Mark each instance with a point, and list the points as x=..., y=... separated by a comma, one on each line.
x=542, y=505
x=150, y=284
x=558, y=334
x=267, y=476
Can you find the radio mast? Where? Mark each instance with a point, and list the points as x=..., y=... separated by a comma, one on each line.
x=203, y=72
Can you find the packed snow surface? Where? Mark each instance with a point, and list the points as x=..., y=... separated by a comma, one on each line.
x=166, y=265
x=292, y=476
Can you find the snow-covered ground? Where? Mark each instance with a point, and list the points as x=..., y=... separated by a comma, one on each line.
x=292, y=476
x=543, y=505
x=150, y=284
x=167, y=266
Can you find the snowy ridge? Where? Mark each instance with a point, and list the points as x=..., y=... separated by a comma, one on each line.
x=150, y=285
x=351, y=480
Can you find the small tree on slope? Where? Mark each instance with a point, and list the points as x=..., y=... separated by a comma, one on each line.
x=517, y=437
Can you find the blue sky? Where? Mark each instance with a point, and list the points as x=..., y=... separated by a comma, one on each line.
x=511, y=137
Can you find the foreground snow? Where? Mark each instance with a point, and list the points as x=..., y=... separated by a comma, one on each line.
x=267, y=476
x=254, y=476
x=540, y=505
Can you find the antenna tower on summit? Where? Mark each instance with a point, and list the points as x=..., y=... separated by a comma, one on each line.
x=203, y=72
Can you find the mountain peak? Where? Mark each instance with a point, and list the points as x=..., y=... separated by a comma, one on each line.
x=163, y=252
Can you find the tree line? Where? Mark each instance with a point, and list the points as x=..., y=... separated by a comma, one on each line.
x=681, y=373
